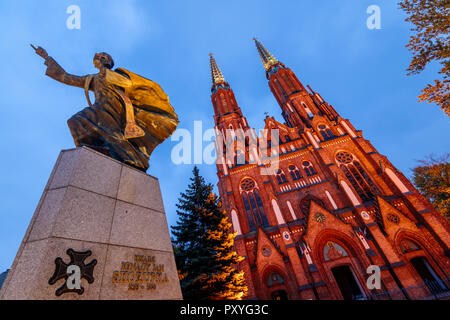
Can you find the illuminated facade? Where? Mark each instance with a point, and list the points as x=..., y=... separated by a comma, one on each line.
x=333, y=206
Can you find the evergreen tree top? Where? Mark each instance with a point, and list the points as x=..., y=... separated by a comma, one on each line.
x=203, y=245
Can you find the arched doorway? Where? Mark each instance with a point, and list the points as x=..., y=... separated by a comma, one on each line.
x=342, y=272
x=419, y=259
x=428, y=275
x=279, y=295
x=276, y=285
x=347, y=283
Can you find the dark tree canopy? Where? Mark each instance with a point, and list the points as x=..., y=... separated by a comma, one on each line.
x=203, y=246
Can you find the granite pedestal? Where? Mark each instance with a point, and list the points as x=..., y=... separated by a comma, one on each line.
x=94, y=203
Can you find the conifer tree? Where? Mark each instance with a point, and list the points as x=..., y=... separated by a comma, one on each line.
x=203, y=246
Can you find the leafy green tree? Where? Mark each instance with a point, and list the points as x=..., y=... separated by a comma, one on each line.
x=430, y=42
x=203, y=246
x=432, y=179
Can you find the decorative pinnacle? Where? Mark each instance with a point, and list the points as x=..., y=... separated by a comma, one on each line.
x=216, y=74
x=267, y=59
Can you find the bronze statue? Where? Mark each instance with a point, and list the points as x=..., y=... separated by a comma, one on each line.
x=131, y=114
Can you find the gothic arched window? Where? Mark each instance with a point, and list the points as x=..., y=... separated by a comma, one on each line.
x=253, y=205
x=357, y=176
x=325, y=132
x=281, y=177
x=230, y=135
x=224, y=103
x=308, y=111
x=407, y=245
x=281, y=88
x=295, y=174
x=240, y=158
x=287, y=80
x=309, y=169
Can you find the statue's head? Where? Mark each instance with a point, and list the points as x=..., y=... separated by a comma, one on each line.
x=103, y=59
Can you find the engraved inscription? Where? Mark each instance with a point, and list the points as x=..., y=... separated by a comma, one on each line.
x=144, y=273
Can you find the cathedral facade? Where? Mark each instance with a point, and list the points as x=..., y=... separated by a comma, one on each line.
x=319, y=210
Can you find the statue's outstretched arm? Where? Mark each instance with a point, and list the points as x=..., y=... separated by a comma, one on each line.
x=55, y=71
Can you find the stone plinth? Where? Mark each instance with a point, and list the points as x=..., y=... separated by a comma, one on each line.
x=92, y=202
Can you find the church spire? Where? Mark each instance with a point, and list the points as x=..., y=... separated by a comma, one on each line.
x=216, y=74
x=266, y=57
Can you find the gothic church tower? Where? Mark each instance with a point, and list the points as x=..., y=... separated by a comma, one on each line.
x=333, y=206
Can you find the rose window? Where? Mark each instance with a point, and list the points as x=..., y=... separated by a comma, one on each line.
x=247, y=185
x=344, y=157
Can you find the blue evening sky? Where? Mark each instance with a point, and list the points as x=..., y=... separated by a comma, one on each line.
x=361, y=72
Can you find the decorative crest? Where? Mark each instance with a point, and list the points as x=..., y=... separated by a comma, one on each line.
x=76, y=268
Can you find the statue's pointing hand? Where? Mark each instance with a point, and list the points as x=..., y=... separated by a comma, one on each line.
x=40, y=52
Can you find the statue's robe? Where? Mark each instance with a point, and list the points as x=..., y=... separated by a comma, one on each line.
x=102, y=125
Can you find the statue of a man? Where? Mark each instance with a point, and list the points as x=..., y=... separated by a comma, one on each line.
x=131, y=114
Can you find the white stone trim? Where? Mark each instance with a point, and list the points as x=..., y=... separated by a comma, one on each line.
x=350, y=193
x=331, y=200
x=396, y=180
x=235, y=221
x=291, y=210
x=313, y=141
x=350, y=131
x=277, y=211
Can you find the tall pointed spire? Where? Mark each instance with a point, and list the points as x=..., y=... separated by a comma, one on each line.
x=267, y=58
x=216, y=74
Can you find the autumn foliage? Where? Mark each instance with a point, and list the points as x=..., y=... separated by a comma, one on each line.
x=432, y=179
x=430, y=42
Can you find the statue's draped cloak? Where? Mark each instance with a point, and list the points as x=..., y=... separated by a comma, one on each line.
x=101, y=126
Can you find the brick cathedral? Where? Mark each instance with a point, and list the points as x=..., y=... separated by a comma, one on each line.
x=333, y=206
